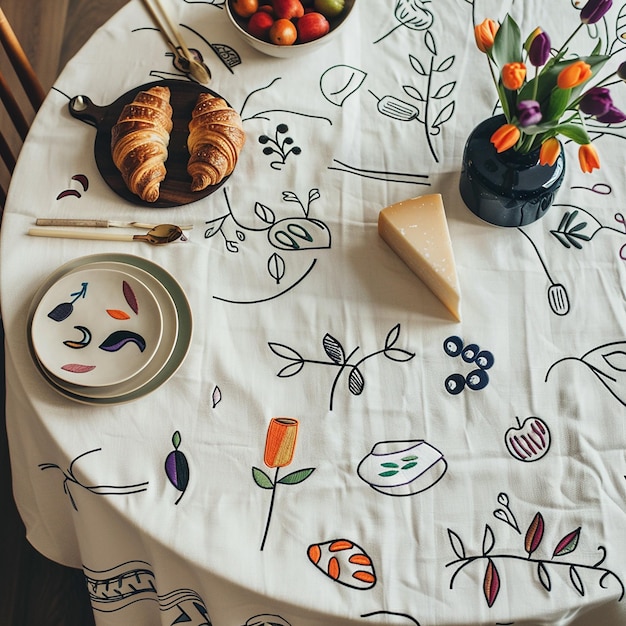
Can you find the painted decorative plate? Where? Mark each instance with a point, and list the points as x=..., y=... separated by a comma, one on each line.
x=96, y=327
x=164, y=364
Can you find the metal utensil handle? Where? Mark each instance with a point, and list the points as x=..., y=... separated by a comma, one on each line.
x=78, y=234
x=45, y=221
x=174, y=30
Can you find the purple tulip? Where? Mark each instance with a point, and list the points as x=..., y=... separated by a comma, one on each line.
x=597, y=101
x=594, y=11
x=539, y=51
x=612, y=116
x=528, y=113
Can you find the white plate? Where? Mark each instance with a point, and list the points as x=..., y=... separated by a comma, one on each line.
x=166, y=346
x=182, y=341
x=96, y=327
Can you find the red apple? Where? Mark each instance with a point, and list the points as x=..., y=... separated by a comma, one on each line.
x=288, y=9
x=312, y=26
x=259, y=25
x=528, y=441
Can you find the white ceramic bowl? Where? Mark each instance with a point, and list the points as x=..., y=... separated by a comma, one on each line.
x=297, y=49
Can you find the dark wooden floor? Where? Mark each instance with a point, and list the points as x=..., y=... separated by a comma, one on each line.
x=34, y=591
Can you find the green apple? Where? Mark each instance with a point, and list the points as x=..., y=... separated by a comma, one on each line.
x=329, y=8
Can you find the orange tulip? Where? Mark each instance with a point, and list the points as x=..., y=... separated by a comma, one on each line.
x=549, y=152
x=588, y=158
x=574, y=75
x=505, y=137
x=513, y=75
x=280, y=442
x=485, y=33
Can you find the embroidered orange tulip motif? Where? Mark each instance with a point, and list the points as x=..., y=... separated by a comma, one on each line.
x=280, y=446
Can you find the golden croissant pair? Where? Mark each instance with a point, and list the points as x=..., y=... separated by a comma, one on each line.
x=140, y=138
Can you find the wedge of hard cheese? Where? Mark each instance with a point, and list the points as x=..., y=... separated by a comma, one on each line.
x=417, y=231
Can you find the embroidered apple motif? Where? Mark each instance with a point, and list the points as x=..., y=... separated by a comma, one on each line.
x=528, y=441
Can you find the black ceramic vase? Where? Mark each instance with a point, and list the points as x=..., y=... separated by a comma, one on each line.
x=507, y=188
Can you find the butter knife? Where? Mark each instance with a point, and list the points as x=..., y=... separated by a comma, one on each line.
x=44, y=221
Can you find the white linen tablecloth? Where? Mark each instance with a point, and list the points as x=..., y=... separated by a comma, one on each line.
x=339, y=335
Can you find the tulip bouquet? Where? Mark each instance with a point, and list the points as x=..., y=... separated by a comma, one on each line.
x=557, y=98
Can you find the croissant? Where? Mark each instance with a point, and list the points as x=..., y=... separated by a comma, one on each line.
x=139, y=141
x=216, y=137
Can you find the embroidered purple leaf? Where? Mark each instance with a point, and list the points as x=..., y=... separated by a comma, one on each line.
x=491, y=583
x=457, y=544
x=177, y=467
x=577, y=582
x=567, y=544
x=544, y=576
x=488, y=540
x=534, y=534
x=356, y=382
x=333, y=349
x=276, y=267
x=262, y=479
x=130, y=297
x=296, y=477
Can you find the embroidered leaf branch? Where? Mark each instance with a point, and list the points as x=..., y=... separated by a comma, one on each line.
x=337, y=357
x=535, y=533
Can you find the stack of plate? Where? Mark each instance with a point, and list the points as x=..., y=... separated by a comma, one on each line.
x=109, y=328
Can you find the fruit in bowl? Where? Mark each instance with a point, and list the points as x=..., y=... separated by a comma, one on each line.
x=286, y=28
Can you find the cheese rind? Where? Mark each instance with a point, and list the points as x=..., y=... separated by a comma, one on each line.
x=417, y=231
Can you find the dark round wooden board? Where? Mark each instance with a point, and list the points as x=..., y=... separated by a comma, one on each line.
x=175, y=190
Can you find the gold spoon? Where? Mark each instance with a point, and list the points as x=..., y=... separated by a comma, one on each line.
x=161, y=234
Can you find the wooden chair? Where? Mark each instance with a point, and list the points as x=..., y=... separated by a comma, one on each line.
x=28, y=85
